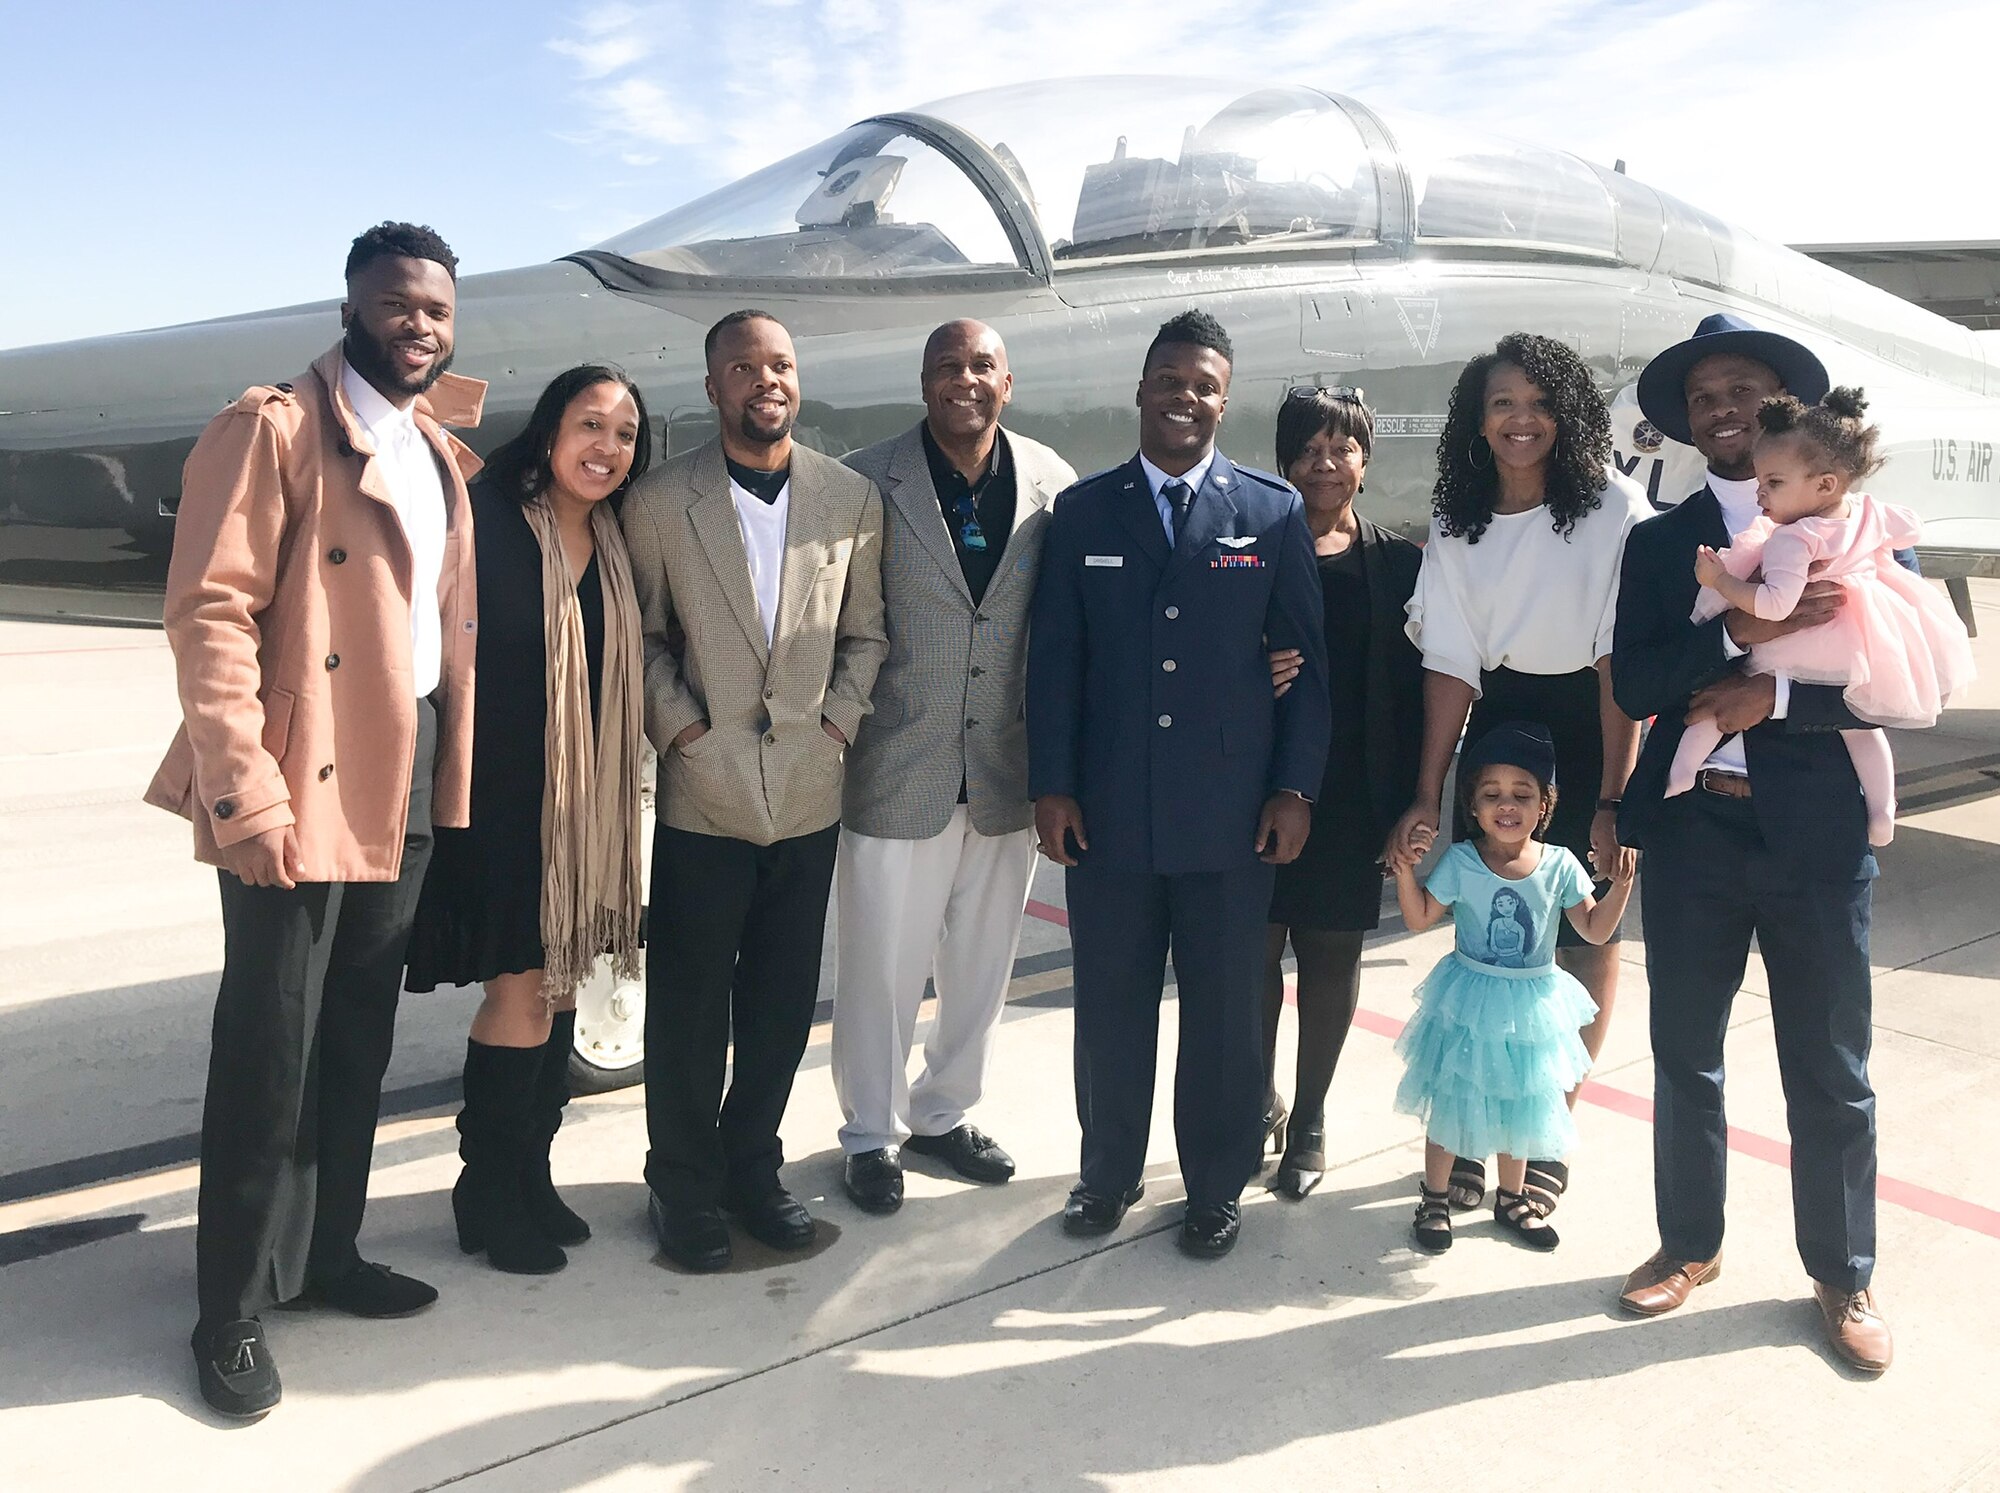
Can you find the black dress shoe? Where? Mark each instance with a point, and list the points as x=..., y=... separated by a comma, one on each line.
x=967, y=1150
x=776, y=1219
x=239, y=1378
x=373, y=1291
x=874, y=1179
x=1089, y=1212
x=1209, y=1231
x=693, y=1238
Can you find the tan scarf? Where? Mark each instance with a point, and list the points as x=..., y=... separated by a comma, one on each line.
x=590, y=785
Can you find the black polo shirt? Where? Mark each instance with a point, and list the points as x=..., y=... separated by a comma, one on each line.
x=992, y=499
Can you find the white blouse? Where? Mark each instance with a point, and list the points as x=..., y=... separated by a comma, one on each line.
x=1525, y=597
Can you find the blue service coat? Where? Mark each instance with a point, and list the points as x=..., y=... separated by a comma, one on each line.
x=1149, y=682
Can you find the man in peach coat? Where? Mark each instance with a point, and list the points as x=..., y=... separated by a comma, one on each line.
x=321, y=606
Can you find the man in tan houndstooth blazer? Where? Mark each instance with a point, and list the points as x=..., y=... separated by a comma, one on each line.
x=767, y=557
x=937, y=844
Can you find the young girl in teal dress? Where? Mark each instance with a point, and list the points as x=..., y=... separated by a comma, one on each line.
x=1494, y=1046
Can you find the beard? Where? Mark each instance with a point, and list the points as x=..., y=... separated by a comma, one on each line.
x=759, y=435
x=372, y=359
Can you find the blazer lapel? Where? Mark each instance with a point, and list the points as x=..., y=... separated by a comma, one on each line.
x=910, y=488
x=1214, y=508
x=713, y=517
x=1719, y=537
x=1137, y=512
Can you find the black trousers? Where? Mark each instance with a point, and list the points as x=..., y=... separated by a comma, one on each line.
x=304, y=1024
x=1121, y=926
x=1710, y=884
x=733, y=944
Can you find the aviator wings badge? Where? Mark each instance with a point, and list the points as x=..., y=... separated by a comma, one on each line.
x=1231, y=541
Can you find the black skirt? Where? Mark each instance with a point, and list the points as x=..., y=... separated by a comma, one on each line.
x=480, y=914
x=1567, y=704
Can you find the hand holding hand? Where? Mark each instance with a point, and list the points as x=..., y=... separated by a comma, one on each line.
x=1609, y=859
x=1057, y=817
x=1411, y=838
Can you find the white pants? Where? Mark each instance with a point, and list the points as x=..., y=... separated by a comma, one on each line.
x=947, y=908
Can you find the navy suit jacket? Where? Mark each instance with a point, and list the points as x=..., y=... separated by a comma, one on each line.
x=1807, y=798
x=1149, y=682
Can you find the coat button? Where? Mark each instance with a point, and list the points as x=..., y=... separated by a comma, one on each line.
x=970, y=725
x=346, y=448
x=1172, y=613
x=978, y=616
x=338, y=556
x=333, y=660
x=1169, y=666
x=977, y=671
x=326, y=772
x=1166, y=720
x=224, y=808
x=771, y=738
x=770, y=694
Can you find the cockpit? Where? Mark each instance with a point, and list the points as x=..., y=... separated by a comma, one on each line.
x=1036, y=180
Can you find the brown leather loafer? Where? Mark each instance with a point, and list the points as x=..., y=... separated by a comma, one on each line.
x=1661, y=1284
x=1855, y=1328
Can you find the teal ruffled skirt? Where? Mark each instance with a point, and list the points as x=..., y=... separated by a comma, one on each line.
x=1490, y=1055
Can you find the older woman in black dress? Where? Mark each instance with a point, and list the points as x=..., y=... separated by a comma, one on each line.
x=1513, y=611
x=1328, y=898
x=545, y=880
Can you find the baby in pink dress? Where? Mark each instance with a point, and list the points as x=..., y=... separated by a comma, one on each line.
x=1896, y=648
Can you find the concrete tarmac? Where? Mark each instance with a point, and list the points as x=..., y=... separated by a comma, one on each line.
x=966, y=1342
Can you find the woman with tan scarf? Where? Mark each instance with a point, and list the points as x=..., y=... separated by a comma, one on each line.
x=546, y=878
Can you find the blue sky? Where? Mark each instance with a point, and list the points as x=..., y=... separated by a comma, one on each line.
x=166, y=162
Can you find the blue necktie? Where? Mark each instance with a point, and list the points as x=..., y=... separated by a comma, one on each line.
x=1180, y=497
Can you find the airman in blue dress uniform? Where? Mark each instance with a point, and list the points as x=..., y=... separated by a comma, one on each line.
x=1167, y=778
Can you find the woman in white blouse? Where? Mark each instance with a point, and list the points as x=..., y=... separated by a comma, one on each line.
x=1513, y=613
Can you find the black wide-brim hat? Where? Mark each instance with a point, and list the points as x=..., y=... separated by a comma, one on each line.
x=1523, y=744
x=1663, y=382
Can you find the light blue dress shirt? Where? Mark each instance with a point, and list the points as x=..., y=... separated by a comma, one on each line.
x=1194, y=476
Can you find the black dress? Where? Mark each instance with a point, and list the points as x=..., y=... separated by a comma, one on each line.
x=1335, y=885
x=481, y=910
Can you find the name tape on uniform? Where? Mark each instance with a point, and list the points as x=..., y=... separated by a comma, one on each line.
x=1113, y=560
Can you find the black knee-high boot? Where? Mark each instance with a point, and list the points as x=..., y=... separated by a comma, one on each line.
x=495, y=1133
x=555, y=1218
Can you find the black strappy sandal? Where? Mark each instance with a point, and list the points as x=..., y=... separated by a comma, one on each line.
x=1516, y=1212
x=1467, y=1187
x=1546, y=1182
x=1432, y=1228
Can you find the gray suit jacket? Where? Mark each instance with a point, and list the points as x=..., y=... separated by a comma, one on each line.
x=765, y=770
x=949, y=700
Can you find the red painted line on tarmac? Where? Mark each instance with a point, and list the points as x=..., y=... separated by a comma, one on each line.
x=1939, y=1205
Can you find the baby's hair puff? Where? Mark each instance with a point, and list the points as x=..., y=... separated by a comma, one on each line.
x=1833, y=428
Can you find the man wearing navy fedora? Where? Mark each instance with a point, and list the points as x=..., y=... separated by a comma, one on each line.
x=1771, y=844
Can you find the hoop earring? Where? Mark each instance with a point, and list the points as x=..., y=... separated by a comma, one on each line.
x=1472, y=450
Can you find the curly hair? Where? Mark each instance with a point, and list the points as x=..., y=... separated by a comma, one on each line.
x=1833, y=428
x=410, y=240
x=1192, y=328
x=1466, y=487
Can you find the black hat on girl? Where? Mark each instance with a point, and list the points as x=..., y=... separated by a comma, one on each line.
x=1523, y=744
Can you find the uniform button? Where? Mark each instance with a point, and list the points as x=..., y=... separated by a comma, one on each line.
x=338, y=556
x=333, y=660
x=326, y=772
x=1169, y=666
x=1172, y=613
x=1166, y=720
x=224, y=808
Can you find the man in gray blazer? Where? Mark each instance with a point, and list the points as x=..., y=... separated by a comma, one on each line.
x=767, y=557
x=937, y=842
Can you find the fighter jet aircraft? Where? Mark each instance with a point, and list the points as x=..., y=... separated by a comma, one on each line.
x=1338, y=244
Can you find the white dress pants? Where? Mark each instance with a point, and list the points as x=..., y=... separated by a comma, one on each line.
x=948, y=909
